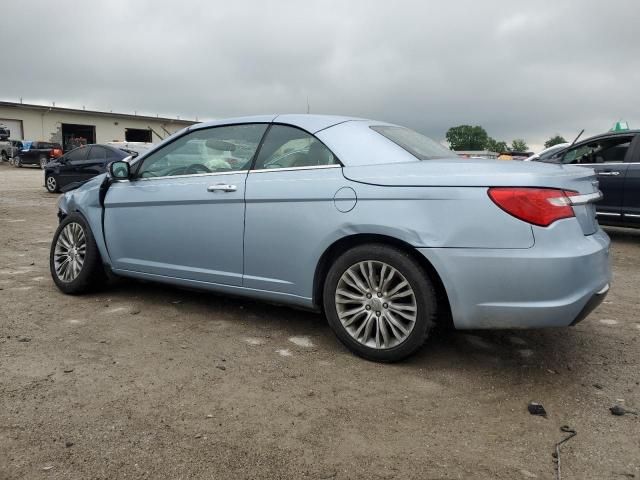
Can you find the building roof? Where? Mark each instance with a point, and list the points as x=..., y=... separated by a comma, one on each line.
x=46, y=108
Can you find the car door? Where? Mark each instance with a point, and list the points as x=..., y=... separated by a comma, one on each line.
x=290, y=200
x=181, y=216
x=94, y=164
x=606, y=155
x=70, y=171
x=631, y=201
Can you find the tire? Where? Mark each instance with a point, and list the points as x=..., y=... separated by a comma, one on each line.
x=17, y=162
x=391, y=336
x=51, y=184
x=91, y=275
x=43, y=162
x=11, y=161
x=5, y=157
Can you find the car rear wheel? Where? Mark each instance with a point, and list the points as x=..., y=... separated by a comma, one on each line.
x=43, y=162
x=379, y=302
x=74, y=259
x=51, y=184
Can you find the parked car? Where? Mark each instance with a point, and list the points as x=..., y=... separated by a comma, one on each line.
x=5, y=143
x=547, y=152
x=137, y=148
x=80, y=165
x=615, y=156
x=14, y=149
x=379, y=227
x=37, y=153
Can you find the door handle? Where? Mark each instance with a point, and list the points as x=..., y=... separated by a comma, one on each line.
x=609, y=173
x=221, y=187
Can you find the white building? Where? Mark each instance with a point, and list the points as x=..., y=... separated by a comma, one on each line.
x=63, y=125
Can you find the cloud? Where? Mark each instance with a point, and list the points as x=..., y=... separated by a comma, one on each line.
x=519, y=69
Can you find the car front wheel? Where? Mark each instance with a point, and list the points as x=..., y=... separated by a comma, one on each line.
x=17, y=161
x=379, y=302
x=74, y=259
x=51, y=184
x=43, y=162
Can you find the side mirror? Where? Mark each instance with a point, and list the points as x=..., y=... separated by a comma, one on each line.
x=119, y=170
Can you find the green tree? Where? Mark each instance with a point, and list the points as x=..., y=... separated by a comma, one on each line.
x=495, y=146
x=554, y=141
x=467, y=137
x=519, y=145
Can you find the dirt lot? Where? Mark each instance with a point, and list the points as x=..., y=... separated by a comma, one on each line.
x=146, y=381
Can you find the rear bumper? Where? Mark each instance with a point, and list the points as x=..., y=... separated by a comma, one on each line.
x=591, y=305
x=556, y=283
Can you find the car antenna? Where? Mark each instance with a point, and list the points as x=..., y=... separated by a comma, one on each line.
x=576, y=139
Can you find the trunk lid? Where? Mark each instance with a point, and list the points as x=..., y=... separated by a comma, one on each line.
x=484, y=173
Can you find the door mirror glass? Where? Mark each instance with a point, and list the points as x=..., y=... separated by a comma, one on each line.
x=119, y=170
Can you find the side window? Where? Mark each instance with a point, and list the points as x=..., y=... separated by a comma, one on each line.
x=289, y=147
x=98, y=154
x=217, y=149
x=606, y=150
x=77, y=155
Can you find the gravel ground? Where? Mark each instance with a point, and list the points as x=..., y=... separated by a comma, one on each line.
x=146, y=381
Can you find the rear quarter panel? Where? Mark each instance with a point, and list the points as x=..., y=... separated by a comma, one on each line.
x=292, y=219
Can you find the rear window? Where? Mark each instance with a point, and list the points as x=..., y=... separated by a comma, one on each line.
x=421, y=147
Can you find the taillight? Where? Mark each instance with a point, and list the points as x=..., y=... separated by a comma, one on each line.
x=539, y=206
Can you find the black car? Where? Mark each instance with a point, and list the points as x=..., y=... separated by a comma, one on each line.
x=615, y=156
x=80, y=164
x=36, y=153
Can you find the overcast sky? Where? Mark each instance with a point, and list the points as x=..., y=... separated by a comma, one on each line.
x=525, y=69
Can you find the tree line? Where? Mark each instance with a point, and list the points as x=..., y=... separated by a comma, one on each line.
x=467, y=137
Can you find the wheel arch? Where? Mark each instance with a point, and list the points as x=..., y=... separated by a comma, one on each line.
x=345, y=243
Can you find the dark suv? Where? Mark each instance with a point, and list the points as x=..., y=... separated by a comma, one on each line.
x=80, y=164
x=615, y=156
x=36, y=153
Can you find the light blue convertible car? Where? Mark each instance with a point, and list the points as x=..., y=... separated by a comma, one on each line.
x=381, y=228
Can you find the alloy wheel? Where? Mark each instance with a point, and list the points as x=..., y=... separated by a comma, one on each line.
x=70, y=252
x=376, y=304
x=43, y=163
x=51, y=184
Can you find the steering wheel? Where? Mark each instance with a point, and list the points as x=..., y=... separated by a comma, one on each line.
x=191, y=169
x=196, y=168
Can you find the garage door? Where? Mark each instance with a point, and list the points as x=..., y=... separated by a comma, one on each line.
x=15, y=126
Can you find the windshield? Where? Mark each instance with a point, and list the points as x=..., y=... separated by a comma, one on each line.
x=421, y=147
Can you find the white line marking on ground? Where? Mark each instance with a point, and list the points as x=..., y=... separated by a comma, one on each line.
x=117, y=310
x=254, y=341
x=301, y=341
x=283, y=352
x=517, y=340
x=15, y=220
x=608, y=321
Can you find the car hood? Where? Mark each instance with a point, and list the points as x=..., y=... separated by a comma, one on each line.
x=474, y=173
